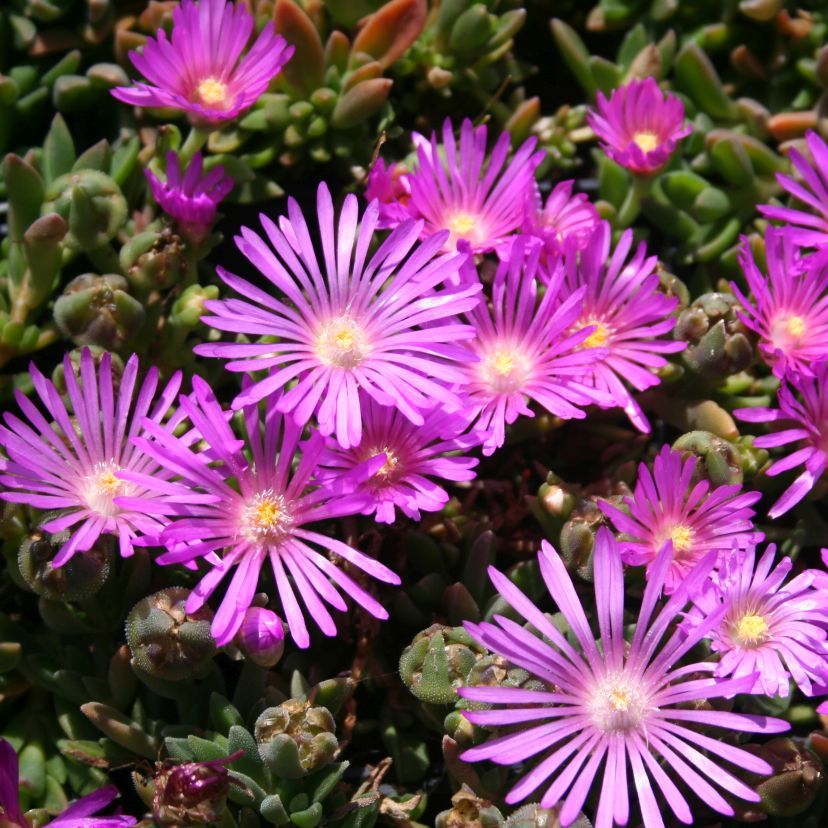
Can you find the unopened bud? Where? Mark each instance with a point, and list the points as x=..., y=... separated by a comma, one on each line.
x=153, y=260
x=721, y=461
x=165, y=640
x=78, y=579
x=261, y=637
x=193, y=793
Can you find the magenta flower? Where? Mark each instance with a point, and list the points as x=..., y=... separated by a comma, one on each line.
x=668, y=505
x=804, y=422
x=264, y=515
x=772, y=630
x=80, y=814
x=413, y=459
x=73, y=463
x=624, y=303
x=389, y=185
x=631, y=709
x=190, y=199
x=525, y=350
x=804, y=227
x=387, y=326
x=201, y=70
x=261, y=636
x=639, y=126
x=789, y=311
x=480, y=200
x=565, y=218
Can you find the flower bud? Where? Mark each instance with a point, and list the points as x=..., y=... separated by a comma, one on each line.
x=718, y=342
x=153, y=260
x=193, y=793
x=97, y=310
x=798, y=776
x=92, y=204
x=469, y=811
x=188, y=309
x=78, y=579
x=437, y=662
x=296, y=738
x=165, y=640
x=721, y=462
x=261, y=637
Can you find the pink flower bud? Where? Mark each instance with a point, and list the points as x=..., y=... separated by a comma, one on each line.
x=261, y=637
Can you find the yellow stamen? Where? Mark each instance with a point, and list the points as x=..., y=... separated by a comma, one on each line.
x=796, y=326
x=598, y=337
x=619, y=704
x=646, y=140
x=682, y=537
x=462, y=224
x=265, y=518
x=101, y=486
x=341, y=343
x=212, y=92
x=505, y=370
x=751, y=630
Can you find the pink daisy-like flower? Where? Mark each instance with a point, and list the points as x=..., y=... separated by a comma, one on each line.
x=639, y=126
x=772, y=630
x=479, y=199
x=191, y=199
x=804, y=421
x=789, y=307
x=414, y=456
x=389, y=185
x=525, y=349
x=624, y=303
x=627, y=708
x=264, y=515
x=564, y=219
x=80, y=814
x=809, y=229
x=667, y=505
x=385, y=325
x=73, y=462
x=200, y=69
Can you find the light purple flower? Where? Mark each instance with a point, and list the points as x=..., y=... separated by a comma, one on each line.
x=809, y=229
x=804, y=421
x=639, y=126
x=772, y=630
x=627, y=708
x=73, y=463
x=525, y=349
x=264, y=515
x=624, y=303
x=413, y=460
x=200, y=69
x=789, y=306
x=565, y=218
x=190, y=199
x=80, y=814
x=388, y=327
x=480, y=199
x=669, y=505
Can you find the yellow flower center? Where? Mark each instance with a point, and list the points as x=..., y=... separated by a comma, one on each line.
x=618, y=704
x=505, y=370
x=266, y=518
x=598, y=337
x=796, y=326
x=646, y=140
x=462, y=225
x=750, y=630
x=99, y=488
x=787, y=330
x=682, y=537
x=212, y=92
x=389, y=467
x=341, y=343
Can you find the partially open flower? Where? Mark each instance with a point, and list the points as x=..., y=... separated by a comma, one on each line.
x=639, y=126
x=261, y=637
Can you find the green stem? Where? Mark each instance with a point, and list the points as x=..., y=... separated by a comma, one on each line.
x=195, y=141
x=631, y=206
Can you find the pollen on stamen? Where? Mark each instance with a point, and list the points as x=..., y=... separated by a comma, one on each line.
x=598, y=338
x=682, y=537
x=341, y=343
x=462, y=224
x=265, y=518
x=618, y=703
x=101, y=486
x=750, y=630
x=212, y=92
x=505, y=370
x=646, y=140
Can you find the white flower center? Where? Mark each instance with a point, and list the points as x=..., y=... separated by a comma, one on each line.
x=100, y=487
x=212, y=92
x=341, y=343
x=266, y=518
x=505, y=370
x=787, y=330
x=618, y=704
